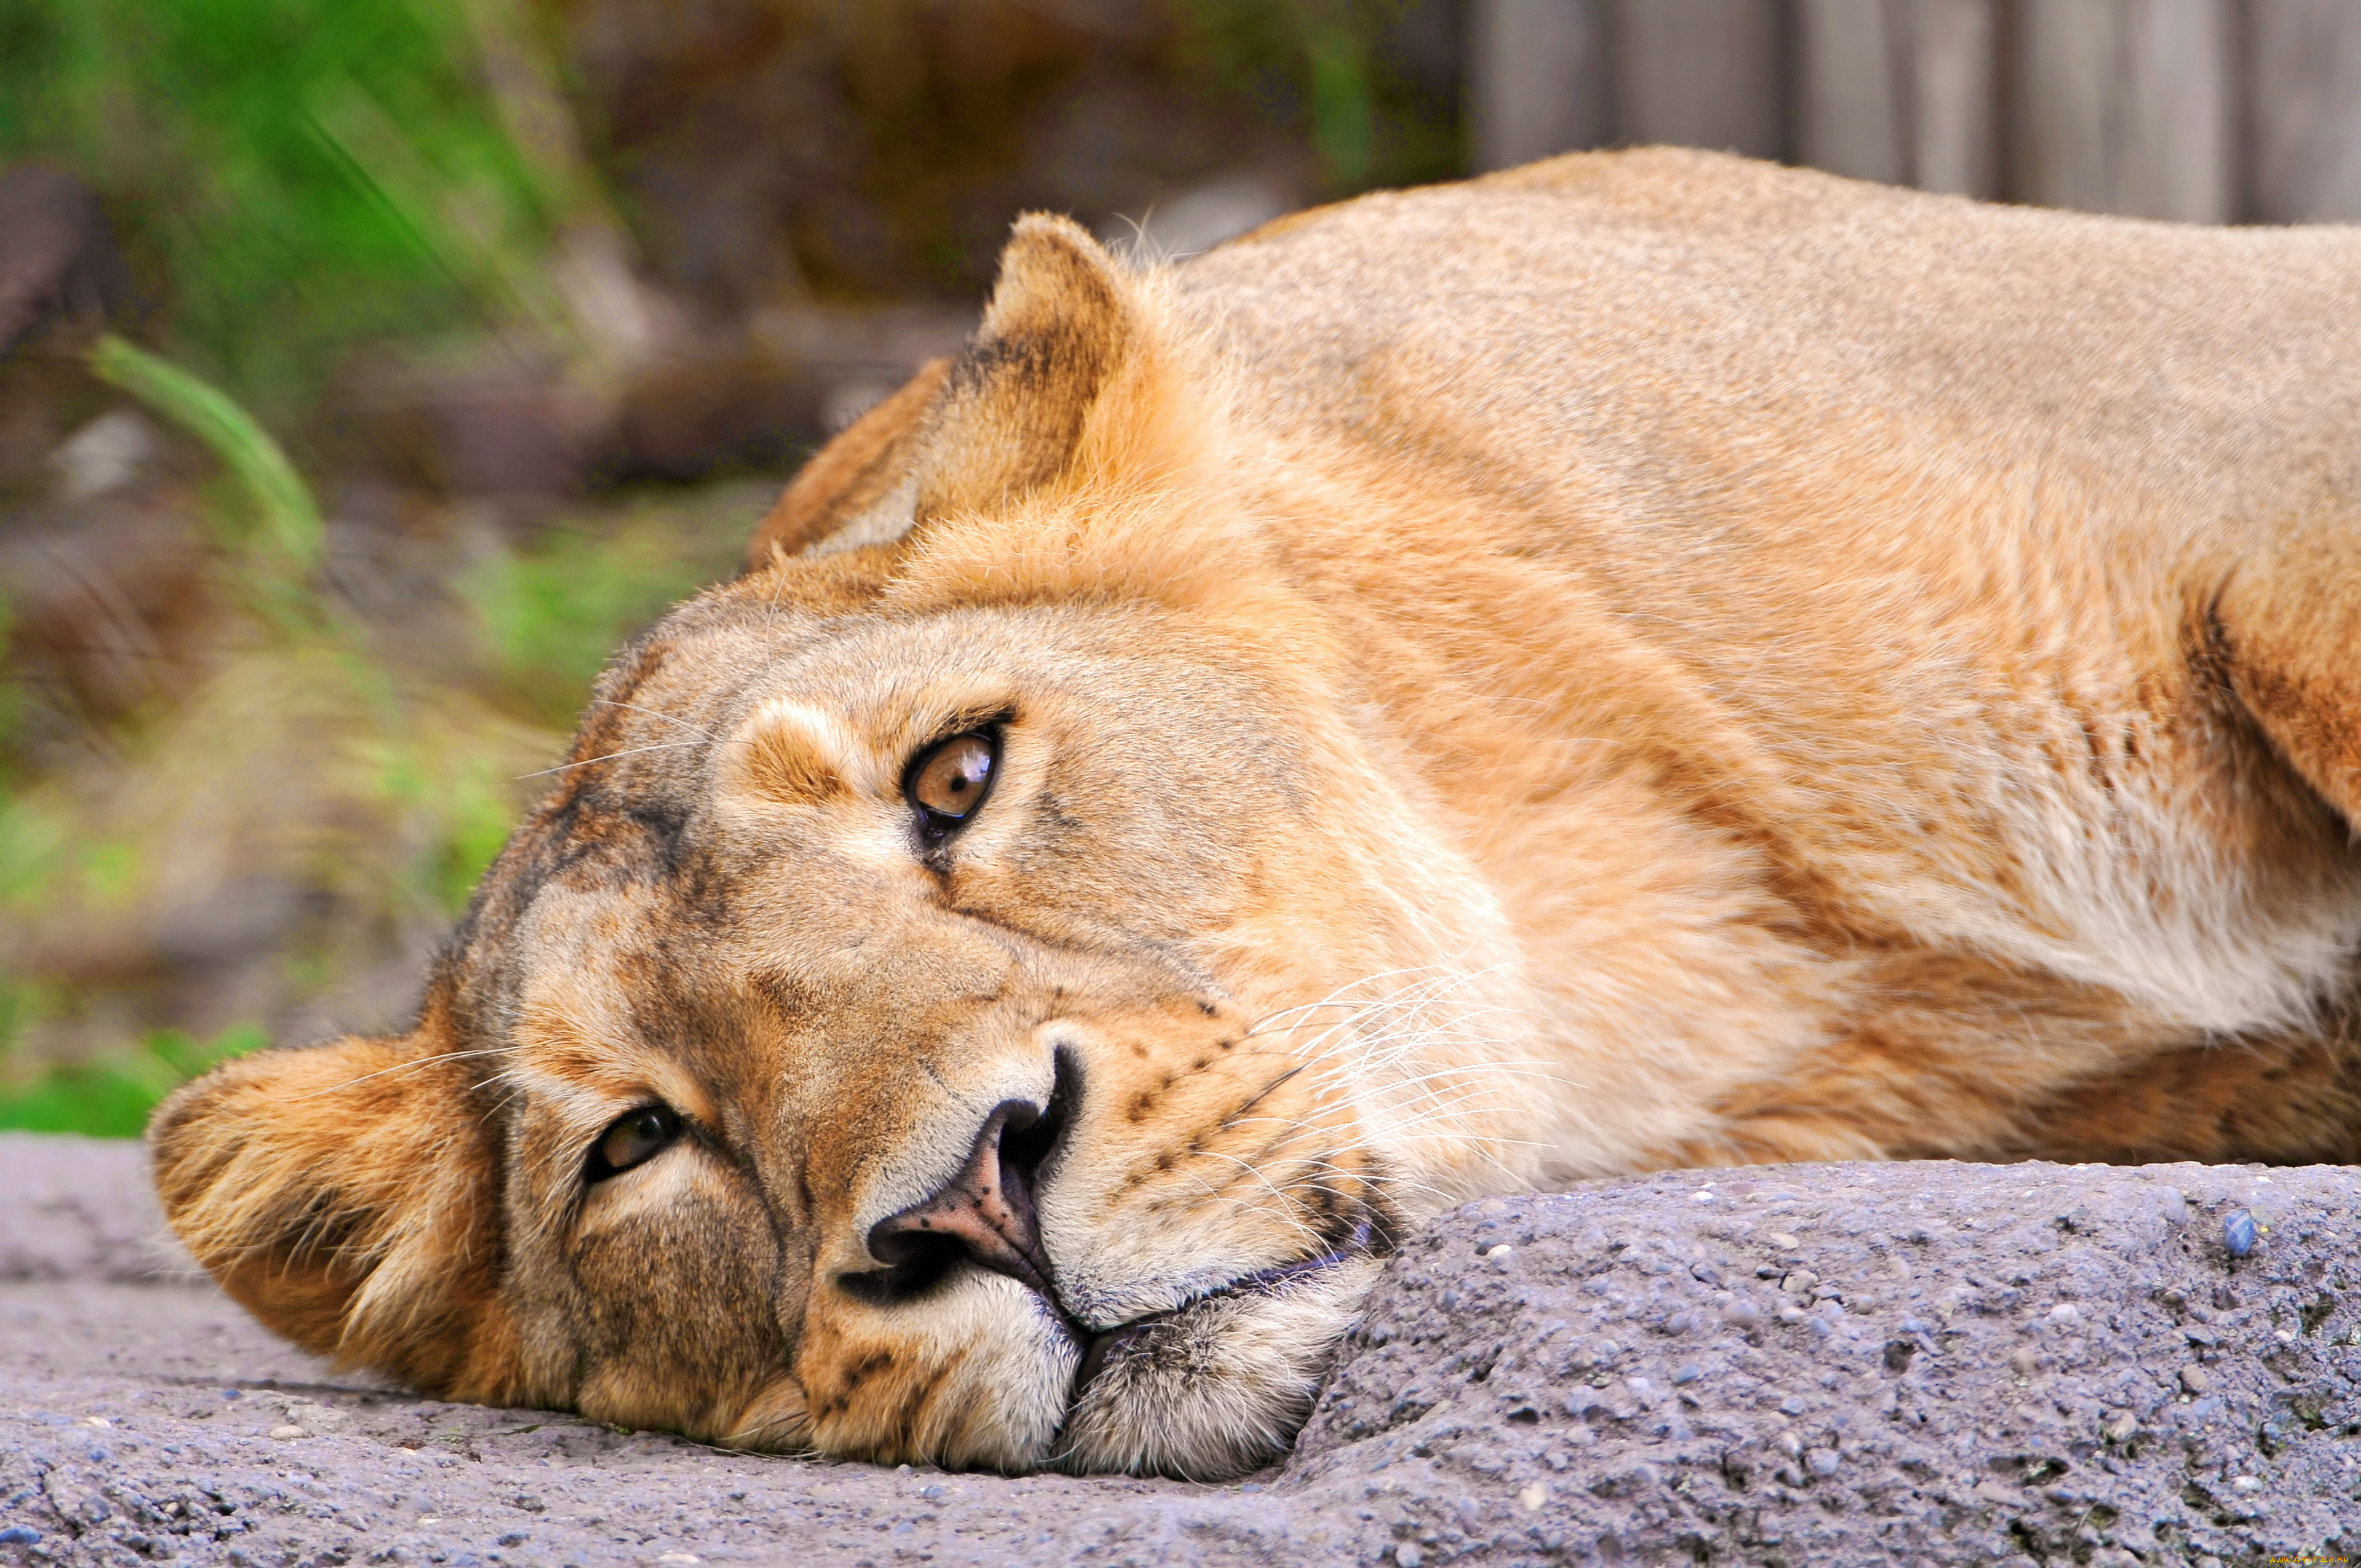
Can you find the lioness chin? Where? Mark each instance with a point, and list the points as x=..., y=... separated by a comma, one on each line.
x=1645, y=659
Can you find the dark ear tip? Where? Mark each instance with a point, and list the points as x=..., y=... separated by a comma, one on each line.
x=1058, y=230
x=1053, y=273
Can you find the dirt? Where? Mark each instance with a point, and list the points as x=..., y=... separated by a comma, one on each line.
x=1831, y=1365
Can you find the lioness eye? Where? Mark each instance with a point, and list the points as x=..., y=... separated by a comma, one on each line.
x=636, y=1136
x=951, y=780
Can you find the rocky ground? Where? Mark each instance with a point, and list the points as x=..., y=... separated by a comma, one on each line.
x=1909, y=1364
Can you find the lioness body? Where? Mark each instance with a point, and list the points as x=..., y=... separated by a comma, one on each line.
x=1644, y=660
x=1876, y=557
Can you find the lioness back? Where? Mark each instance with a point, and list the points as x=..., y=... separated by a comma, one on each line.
x=1645, y=659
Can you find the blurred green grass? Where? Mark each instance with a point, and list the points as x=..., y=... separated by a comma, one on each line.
x=292, y=178
x=112, y=1098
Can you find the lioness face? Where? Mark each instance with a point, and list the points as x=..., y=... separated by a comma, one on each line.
x=906, y=1074
x=940, y=1014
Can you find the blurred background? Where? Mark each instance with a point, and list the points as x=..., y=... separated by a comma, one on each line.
x=369, y=368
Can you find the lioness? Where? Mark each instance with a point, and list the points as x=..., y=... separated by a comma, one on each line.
x=1645, y=659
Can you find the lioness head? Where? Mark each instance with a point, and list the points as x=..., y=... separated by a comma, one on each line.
x=985, y=995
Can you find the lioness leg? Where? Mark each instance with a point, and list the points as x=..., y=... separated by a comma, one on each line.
x=2284, y=629
x=1941, y=1058
x=2289, y=1100
x=2292, y=1100
x=1964, y=1059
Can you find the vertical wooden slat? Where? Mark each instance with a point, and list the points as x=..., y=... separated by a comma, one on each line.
x=2125, y=106
x=1954, y=55
x=1537, y=80
x=2176, y=155
x=1702, y=72
x=2305, y=98
x=1850, y=115
x=2066, y=74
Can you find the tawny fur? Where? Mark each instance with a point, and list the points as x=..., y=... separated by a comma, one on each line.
x=1644, y=660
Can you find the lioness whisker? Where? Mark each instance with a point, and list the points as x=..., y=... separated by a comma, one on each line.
x=672, y=719
x=400, y=1066
x=627, y=751
x=1290, y=1212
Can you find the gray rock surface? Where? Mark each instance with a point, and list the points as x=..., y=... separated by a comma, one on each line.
x=1833, y=1364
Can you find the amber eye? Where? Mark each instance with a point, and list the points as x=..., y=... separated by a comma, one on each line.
x=637, y=1135
x=949, y=782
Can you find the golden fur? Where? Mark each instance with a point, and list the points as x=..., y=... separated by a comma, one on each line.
x=1644, y=660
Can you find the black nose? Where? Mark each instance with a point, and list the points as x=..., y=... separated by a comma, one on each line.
x=983, y=1215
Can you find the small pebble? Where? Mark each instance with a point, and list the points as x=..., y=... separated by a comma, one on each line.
x=1503, y=1258
x=1408, y=1554
x=1687, y=1374
x=1781, y=1239
x=2120, y=1426
x=20, y=1535
x=2064, y=1312
x=1800, y=1282
x=2238, y=1233
x=1532, y=1498
x=2196, y=1380
x=285, y=1433
x=1793, y=1405
x=1821, y=1461
x=2245, y=1484
x=2025, y=1362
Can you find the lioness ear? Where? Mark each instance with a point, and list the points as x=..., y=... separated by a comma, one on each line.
x=858, y=489
x=345, y=1195
x=1066, y=379
x=1062, y=327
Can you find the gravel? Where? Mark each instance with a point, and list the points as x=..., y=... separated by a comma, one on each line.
x=1826, y=1365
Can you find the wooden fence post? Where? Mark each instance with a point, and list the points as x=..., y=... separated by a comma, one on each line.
x=1854, y=89
x=1702, y=72
x=1537, y=80
x=1901, y=90
x=2305, y=115
x=2126, y=106
x=1955, y=108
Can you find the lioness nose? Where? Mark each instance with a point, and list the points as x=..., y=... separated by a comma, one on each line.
x=986, y=1213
